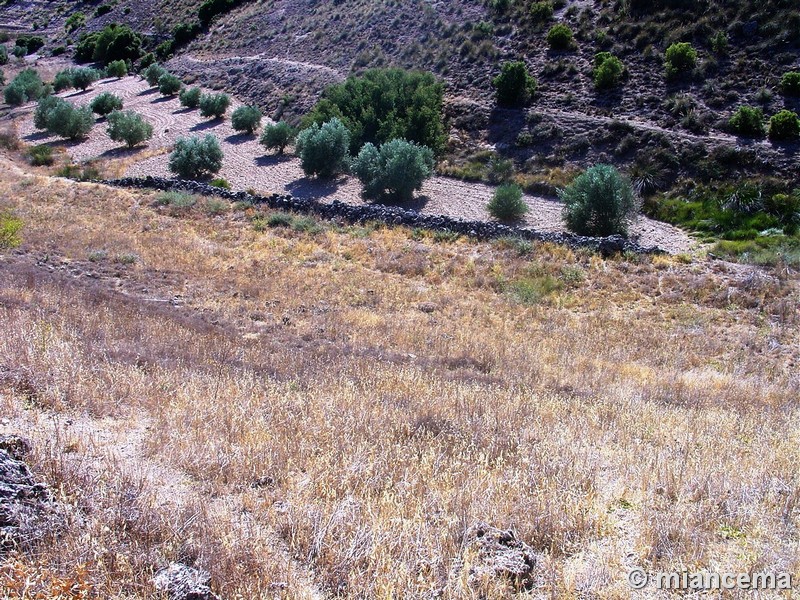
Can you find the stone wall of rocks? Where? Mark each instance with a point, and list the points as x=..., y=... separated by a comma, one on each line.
x=392, y=215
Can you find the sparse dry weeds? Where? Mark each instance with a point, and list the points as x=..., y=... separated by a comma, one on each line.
x=326, y=411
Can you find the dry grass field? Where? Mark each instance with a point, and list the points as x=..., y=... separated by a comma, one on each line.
x=307, y=409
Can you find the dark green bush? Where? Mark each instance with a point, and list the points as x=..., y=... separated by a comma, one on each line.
x=105, y=103
x=246, y=118
x=169, y=85
x=393, y=171
x=214, y=105
x=507, y=203
x=128, y=127
x=324, y=150
x=608, y=71
x=514, y=85
x=560, y=37
x=117, y=68
x=599, y=202
x=680, y=59
x=383, y=104
x=196, y=157
x=183, y=33
x=277, y=137
x=748, y=121
x=117, y=42
x=84, y=51
x=541, y=12
x=29, y=43
x=3, y=55
x=784, y=126
x=790, y=83
x=190, y=98
x=211, y=8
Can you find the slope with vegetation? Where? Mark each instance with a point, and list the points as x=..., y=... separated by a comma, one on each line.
x=222, y=350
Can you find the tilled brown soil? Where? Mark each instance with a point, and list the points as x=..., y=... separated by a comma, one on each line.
x=247, y=166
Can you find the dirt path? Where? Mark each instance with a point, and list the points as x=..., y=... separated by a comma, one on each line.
x=246, y=166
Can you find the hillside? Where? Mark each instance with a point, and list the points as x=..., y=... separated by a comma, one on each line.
x=281, y=55
x=313, y=410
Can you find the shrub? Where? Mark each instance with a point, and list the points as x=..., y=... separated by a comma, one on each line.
x=599, y=202
x=190, y=98
x=117, y=68
x=28, y=43
x=103, y=9
x=196, y=157
x=183, y=33
x=277, y=137
x=41, y=155
x=784, y=126
x=394, y=171
x=153, y=74
x=10, y=226
x=514, y=85
x=681, y=58
x=3, y=55
x=42, y=114
x=75, y=21
x=608, y=70
x=541, y=11
x=128, y=127
x=719, y=43
x=105, y=104
x=220, y=182
x=69, y=122
x=748, y=121
x=63, y=80
x=246, y=118
x=323, y=150
x=83, y=77
x=214, y=105
x=507, y=203
x=20, y=51
x=169, y=85
x=211, y=8
x=790, y=83
x=26, y=86
x=383, y=104
x=560, y=37
x=116, y=42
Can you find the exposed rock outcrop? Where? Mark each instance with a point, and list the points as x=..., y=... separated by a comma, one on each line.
x=182, y=582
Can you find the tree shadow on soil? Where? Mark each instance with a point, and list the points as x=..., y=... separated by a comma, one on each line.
x=37, y=137
x=148, y=92
x=417, y=203
x=240, y=138
x=306, y=188
x=203, y=125
x=272, y=160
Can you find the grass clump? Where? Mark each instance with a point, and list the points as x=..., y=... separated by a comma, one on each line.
x=41, y=155
x=10, y=227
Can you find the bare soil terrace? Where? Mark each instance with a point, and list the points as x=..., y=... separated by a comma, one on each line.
x=246, y=166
